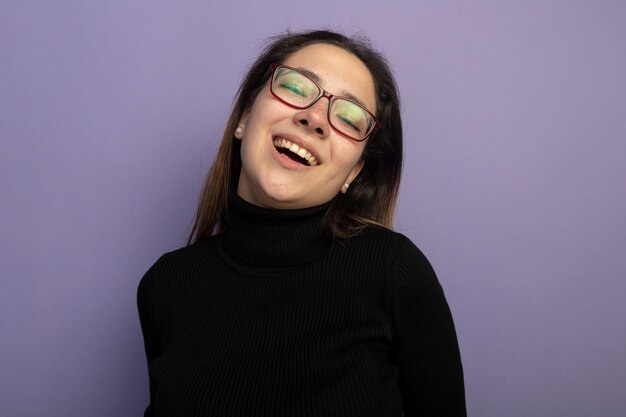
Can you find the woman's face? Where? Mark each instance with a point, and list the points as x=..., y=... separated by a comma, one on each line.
x=269, y=177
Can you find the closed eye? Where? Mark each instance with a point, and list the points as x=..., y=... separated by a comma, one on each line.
x=294, y=89
x=348, y=123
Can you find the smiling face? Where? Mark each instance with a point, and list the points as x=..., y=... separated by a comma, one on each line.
x=272, y=132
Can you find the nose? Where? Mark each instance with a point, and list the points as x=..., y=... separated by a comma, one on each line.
x=315, y=118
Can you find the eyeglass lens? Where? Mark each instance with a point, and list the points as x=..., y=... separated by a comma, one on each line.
x=300, y=91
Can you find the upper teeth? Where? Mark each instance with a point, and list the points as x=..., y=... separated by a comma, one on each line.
x=284, y=143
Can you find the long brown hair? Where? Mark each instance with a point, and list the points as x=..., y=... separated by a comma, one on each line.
x=373, y=194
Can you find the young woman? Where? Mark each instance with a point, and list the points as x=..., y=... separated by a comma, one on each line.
x=293, y=296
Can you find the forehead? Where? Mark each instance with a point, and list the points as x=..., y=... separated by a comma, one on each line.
x=339, y=71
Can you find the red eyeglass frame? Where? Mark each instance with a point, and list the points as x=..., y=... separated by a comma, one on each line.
x=323, y=93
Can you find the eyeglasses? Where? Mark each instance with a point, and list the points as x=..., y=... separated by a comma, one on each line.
x=298, y=90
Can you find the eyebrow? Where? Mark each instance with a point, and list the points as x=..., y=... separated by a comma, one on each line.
x=345, y=93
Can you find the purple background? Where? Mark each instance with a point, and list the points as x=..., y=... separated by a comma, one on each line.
x=514, y=183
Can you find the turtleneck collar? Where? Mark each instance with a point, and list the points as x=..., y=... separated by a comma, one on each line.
x=271, y=237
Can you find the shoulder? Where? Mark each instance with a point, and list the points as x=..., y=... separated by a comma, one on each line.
x=393, y=255
x=173, y=264
x=395, y=246
x=407, y=267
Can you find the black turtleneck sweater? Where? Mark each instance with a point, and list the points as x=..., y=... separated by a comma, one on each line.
x=273, y=318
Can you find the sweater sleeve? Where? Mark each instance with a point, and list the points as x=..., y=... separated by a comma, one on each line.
x=426, y=350
x=145, y=303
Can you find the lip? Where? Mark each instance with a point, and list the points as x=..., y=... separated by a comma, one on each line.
x=300, y=142
x=288, y=163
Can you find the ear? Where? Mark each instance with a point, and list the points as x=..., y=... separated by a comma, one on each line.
x=355, y=171
x=241, y=126
x=352, y=175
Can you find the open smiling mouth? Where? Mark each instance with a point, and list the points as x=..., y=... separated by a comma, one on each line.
x=294, y=152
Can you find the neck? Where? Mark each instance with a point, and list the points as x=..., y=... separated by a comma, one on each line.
x=274, y=237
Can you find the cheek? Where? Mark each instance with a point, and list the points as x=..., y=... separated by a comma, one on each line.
x=348, y=154
x=263, y=107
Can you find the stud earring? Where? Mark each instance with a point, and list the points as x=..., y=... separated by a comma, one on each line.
x=238, y=131
x=345, y=187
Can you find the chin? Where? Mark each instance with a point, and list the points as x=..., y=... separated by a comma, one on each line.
x=284, y=195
